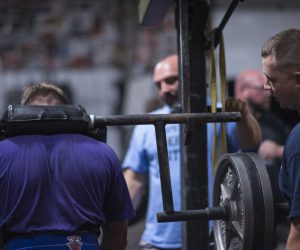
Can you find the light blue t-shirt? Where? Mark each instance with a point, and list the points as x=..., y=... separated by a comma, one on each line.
x=142, y=157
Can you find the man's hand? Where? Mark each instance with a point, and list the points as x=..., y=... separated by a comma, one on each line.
x=236, y=105
x=270, y=150
x=248, y=129
x=293, y=242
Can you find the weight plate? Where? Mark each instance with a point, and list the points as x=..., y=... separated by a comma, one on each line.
x=242, y=185
x=232, y=188
x=268, y=198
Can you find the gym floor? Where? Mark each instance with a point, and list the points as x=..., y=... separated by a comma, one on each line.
x=134, y=234
x=135, y=231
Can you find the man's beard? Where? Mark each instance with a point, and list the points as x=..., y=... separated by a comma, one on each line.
x=170, y=99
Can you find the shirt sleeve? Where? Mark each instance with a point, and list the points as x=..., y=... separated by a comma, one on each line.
x=135, y=157
x=118, y=204
x=294, y=179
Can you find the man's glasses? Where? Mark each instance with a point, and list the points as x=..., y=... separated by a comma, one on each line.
x=169, y=80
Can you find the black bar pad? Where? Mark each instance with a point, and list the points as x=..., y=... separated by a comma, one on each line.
x=46, y=120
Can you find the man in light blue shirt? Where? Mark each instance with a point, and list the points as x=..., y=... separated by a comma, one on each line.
x=141, y=159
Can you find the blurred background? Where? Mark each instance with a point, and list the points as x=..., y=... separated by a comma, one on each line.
x=97, y=51
x=94, y=49
x=103, y=58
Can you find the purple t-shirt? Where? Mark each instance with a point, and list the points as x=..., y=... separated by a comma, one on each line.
x=60, y=183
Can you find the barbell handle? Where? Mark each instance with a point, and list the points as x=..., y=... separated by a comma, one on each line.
x=210, y=213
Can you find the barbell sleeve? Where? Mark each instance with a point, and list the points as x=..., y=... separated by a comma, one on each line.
x=210, y=213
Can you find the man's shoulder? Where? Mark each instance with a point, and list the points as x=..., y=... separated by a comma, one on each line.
x=76, y=141
x=163, y=110
x=295, y=133
x=85, y=140
x=149, y=128
x=292, y=144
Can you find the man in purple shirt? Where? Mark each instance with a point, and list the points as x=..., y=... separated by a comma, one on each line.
x=56, y=191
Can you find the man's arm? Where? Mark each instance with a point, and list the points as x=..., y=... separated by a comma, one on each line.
x=248, y=129
x=293, y=242
x=136, y=183
x=114, y=235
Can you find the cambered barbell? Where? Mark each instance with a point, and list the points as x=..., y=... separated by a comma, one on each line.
x=243, y=209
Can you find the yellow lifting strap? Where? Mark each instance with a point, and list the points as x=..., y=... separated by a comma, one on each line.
x=214, y=99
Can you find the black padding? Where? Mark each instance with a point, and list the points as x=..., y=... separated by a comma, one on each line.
x=46, y=120
x=99, y=134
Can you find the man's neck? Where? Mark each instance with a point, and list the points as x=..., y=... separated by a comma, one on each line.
x=176, y=108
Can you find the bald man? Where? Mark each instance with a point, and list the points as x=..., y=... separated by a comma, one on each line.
x=166, y=79
x=141, y=160
x=249, y=87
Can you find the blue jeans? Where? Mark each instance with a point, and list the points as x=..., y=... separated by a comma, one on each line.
x=55, y=241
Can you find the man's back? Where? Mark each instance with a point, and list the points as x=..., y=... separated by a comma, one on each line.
x=59, y=183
